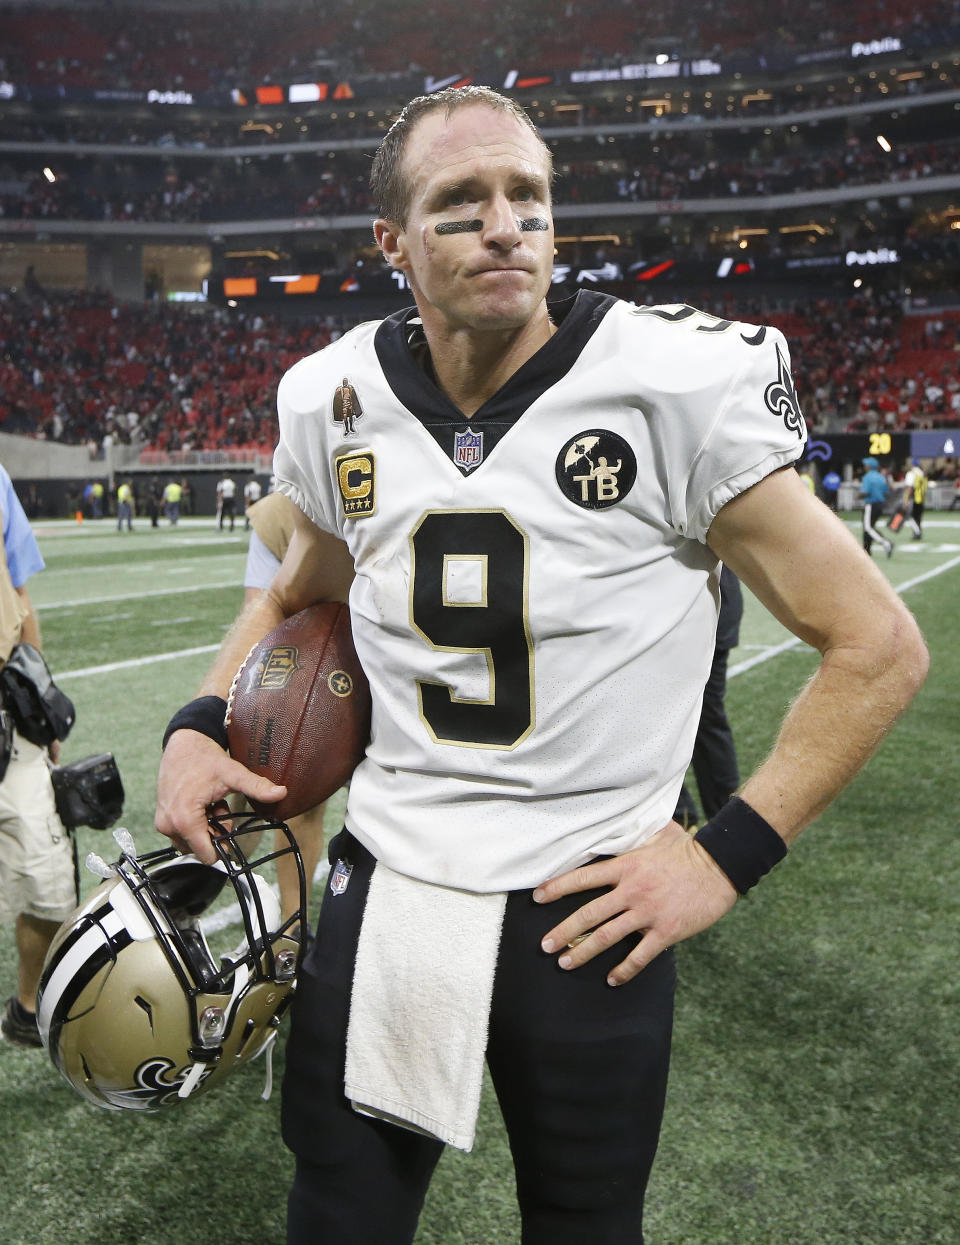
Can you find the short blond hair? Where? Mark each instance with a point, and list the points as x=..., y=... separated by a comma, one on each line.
x=389, y=186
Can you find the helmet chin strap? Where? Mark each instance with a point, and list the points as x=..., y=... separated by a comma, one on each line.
x=191, y=1080
x=268, y=1052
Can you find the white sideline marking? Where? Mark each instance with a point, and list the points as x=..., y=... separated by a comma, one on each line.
x=86, y=671
x=794, y=642
x=230, y=915
x=138, y=568
x=921, y=579
x=767, y=655
x=741, y=667
x=133, y=596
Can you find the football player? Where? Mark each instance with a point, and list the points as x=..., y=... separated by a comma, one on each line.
x=526, y=510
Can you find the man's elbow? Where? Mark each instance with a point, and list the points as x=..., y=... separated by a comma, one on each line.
x=905, y=656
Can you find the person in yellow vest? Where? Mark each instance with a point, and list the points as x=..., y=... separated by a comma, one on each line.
x=272, y=519
x=37, y=880
x=125, y=506
x=96, y=499
x=915, y=497
x=172, y=495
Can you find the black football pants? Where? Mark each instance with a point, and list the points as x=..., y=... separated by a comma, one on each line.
x=580, y=1071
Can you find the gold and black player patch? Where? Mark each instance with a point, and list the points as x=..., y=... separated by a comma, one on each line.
x=356, y=480
x=597, y=469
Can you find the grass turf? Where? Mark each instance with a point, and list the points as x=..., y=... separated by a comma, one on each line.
x=813, y=1097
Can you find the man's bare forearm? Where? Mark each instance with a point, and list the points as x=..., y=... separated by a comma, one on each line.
x=257, y=619
x=835, y=725
x=805, y=566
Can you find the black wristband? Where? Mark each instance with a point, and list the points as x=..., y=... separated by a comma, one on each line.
x=743, y=843
x=205, y=714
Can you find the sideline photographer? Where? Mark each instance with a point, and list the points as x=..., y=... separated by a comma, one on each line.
x=37, y=876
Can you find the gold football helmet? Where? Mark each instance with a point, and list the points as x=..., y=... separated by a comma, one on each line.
x=133, y=1009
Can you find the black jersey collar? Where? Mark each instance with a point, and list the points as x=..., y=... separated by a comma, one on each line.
x=399, y=344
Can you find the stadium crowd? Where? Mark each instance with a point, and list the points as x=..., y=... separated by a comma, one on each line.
x=82, y=368
x=239, y=42
x=635, y=169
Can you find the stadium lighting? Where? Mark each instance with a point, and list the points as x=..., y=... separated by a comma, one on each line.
x=49, y=175
x=884, y=143
x=662, y=58
x=858, y=283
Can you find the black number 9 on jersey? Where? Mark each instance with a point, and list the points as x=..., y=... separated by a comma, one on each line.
x=468, y=594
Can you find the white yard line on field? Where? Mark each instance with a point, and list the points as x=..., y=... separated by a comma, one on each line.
x=132, y=596
x=776, y=649
x=764, y=655
x=223, y=918
x=87, y=671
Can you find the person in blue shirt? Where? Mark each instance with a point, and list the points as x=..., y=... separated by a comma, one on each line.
x=873, y=489
x=37, y=882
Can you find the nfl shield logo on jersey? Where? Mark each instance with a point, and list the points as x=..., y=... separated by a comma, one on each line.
x=340, y=877
x=468, y=449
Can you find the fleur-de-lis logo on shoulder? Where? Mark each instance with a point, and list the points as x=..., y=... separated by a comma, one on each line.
x=780, y=397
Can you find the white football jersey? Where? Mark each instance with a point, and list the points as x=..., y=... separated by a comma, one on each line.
x=534, y=604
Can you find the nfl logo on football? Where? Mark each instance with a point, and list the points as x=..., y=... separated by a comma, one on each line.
x=468, y=449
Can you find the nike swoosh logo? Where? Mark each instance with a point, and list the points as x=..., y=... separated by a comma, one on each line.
x=757, y=339
x=437, y=84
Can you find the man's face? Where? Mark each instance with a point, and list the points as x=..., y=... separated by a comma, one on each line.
x=477, y=245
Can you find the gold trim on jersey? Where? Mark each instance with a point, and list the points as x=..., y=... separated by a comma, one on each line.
x=355, y=474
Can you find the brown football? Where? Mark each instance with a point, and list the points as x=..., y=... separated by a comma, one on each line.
x=299, y=708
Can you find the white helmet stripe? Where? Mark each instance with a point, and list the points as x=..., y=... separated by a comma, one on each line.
x=70, y=964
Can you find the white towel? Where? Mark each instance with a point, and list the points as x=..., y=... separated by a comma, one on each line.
x=420, y=1006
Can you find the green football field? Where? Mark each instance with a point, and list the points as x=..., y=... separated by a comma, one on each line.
x=814, y=1090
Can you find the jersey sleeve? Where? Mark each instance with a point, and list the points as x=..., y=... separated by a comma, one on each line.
x=300, y=461
x=725, y=414
x=758, y=429
x=304, y=462
x=262, y=565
